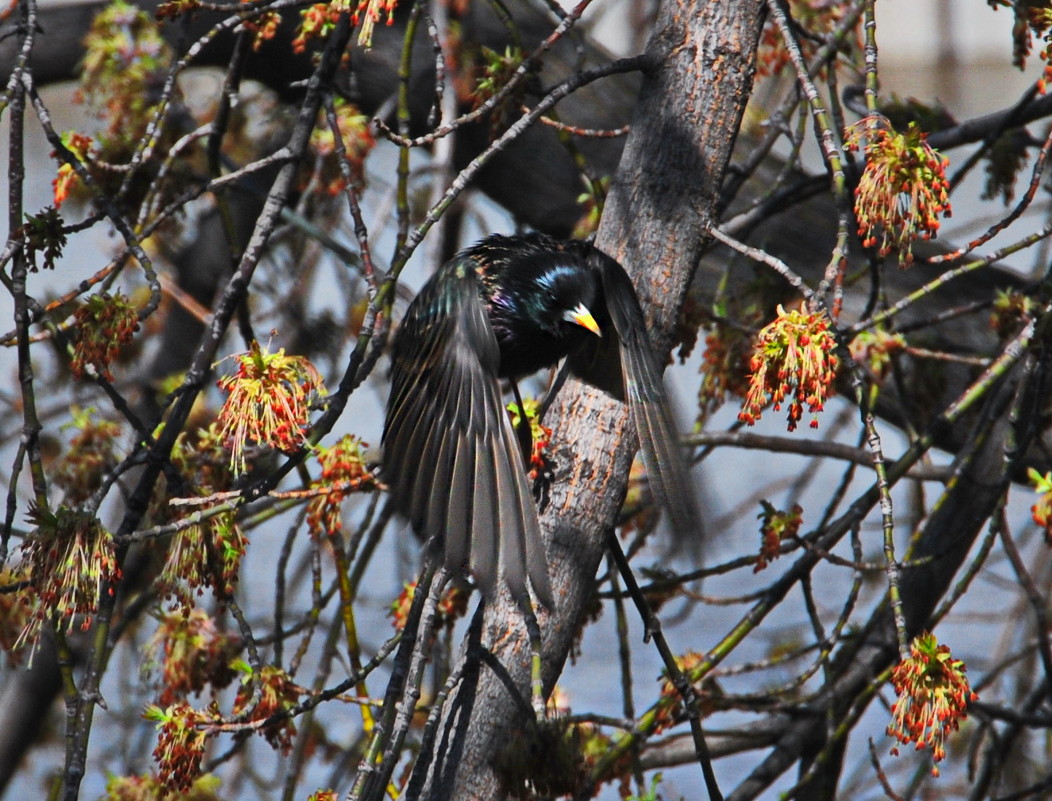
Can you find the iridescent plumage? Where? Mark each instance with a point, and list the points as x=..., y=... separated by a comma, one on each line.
x=505, y=308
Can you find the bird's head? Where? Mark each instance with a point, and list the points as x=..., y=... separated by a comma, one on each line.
x=544, y=299
x=567, y=294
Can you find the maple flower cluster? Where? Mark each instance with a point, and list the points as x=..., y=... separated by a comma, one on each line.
x=181, y=741
x=70, y=561
x=1010, y=312
x=1044, y=24
x=183, y=732
x=269, y=402
x=208, y=552
x=876, y=348
x=357, y=140
x=91, y=455
x=44, y=234
x=776, y=526
x=67, y=181
x=903, y=190
x=125, y=61
x=278, y=695
x=343, y=471
x=452, y=606
x=316, y=21
x=670, y=711
x=1041, y=511
x=933, y=695
x=147, y=787
x=201, y=453
x=722, y=367
x=1032, y=19
x=204, y=555
x=368, y=14
x=819, y=18
x=194, y=653
x=540, y=435
x=494, y=71
x=103, y=324
x=124, y=67
x=794, y=357
x=16, y=613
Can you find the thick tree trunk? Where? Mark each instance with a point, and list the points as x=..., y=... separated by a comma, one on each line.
x=660, y=206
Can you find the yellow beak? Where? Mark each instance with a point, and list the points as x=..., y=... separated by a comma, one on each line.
x=584, y=318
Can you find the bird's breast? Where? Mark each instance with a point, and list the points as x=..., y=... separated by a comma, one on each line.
x=523, y=356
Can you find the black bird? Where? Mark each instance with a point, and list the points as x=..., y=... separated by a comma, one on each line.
x=505, y=308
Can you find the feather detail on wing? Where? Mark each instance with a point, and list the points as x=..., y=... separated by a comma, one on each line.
x=451, y=458
x=645, y=391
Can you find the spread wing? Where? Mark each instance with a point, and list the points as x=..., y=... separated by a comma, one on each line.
x=645, y=393
x=451, y=458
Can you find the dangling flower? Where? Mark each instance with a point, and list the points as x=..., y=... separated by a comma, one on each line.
x=204, y=555
x=795, y=357
x=125, y=64
x=18, y=607
x=269, y=402
x=1010, y=312
x=903, y=190
x=193, y=653
x=933, y=695
x=777, y=526
x=102, y=325
x=368, y=14
x=819, y=19
x=723, y=367
x=357, y=140
x=92, y=453
x=70, y=560
x=149, y=787
x=875, y=348
x=202, y=453
x=539, y=435
x=44, y=234
x=264, y=28
x=1041, y=511
x=493, y=71
x=181, y=741
x=669, y=711
x=316, y=20
x=67, y=181
x=1030, y=20
x=278, y=694
x=343, y=471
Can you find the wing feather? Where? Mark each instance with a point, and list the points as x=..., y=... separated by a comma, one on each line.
x=451, y=458
x=664, y=458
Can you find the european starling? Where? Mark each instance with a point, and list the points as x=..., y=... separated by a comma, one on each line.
x=505, y=308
